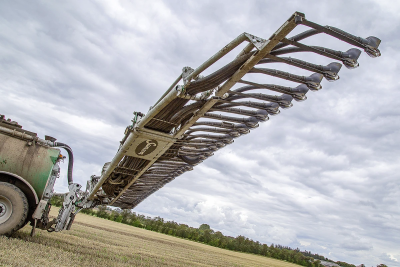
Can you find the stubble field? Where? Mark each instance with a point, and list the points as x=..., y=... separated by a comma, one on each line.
x=94, y=241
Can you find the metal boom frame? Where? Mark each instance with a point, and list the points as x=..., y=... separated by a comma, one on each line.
x=160, y=145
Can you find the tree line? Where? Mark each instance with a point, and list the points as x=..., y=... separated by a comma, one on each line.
x=206, y=235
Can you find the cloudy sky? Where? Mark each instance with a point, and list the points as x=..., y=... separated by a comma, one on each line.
x=322, y=176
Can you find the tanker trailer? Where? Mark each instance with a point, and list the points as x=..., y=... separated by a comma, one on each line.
x=28, y=170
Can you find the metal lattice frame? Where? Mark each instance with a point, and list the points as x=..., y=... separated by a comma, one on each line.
x=170, y=139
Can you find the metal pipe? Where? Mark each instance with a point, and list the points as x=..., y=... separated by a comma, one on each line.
x=369, y=44
x=171, y=95
x=349, y=58
x=70, y=159
x=281, y=33
x=196, y=97
x=246, y=50
x=229, y=47
x=25, y=136
x=169, y=89
x=313, y=81
x=329, y=71
x=298, y=37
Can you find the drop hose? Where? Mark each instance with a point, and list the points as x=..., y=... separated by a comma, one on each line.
x=70, y=159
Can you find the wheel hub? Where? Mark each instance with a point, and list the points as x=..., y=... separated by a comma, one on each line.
x=5, y=209
x=2, y=209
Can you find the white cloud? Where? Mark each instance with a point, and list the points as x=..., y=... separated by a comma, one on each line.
x=321, y=176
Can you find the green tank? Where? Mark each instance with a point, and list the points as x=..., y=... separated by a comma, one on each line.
x=27, y=159
x=28, y=170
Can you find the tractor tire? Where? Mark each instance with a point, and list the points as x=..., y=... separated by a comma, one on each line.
x=13, y=208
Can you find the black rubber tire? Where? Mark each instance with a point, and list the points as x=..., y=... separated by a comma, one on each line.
x=19, y=208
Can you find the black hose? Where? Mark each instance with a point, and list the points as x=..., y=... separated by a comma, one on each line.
x=70, y=159
x=191, y=160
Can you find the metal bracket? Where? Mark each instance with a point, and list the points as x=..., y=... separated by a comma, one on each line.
x=55, y=173
x=41, y=213
x=256, y=41
x=64, y=215
x=85, y=203
x=40, y=210
x=186, y=71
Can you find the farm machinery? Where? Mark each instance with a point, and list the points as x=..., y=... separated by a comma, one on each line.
x=198, y=115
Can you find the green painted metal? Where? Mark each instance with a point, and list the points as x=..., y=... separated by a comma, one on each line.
x=31, y=161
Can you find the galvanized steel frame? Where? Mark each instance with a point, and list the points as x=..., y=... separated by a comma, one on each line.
x=262, y=54
x=171, y=94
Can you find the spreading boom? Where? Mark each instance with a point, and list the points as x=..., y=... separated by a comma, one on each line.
x=194, y=119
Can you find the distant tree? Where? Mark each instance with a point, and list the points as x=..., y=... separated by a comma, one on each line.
x=208, y=235
x=88, y=211
x=204, y=227
x=345, y=264
x=137, y=223
x=205, y=234
x=57, y=200
x=118, y=218
x=126, y=215
x=264, y=249
x=381, y=265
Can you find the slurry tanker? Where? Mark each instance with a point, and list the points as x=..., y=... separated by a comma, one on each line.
x=199, y=114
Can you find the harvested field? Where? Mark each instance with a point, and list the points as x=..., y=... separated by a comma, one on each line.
x=98, y=242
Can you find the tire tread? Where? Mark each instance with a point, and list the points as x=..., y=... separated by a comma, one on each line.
x=25, y=208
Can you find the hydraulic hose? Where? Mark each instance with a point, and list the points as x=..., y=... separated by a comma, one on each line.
x=70, y=159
